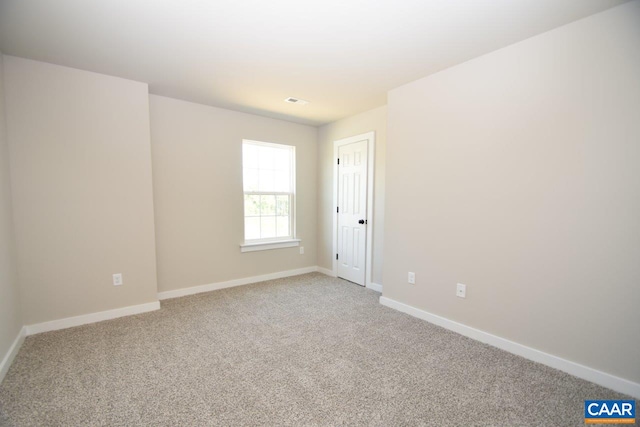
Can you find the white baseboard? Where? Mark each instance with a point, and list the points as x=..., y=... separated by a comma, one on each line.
x=598, y=377
x=326, y=271
x=231, y=283
x=70, y=322
x=11, y=354
x=375, y=287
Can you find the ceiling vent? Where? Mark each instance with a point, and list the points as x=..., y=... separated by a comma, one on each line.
x=298, y=101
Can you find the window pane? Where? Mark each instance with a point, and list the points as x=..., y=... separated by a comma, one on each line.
x=282, y=207
x=282, y=182
x=266, y=157
x=251, y=205
x=250, y=179
x=266, y=180
x=282, y=159
x=282, y=225
x=267, y=227
x=250, y=156
x=267, y=205
x=252, y=228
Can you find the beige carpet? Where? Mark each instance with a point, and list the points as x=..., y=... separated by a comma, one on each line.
x=308, y=350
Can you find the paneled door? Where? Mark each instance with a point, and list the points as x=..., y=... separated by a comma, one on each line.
x=352, y=211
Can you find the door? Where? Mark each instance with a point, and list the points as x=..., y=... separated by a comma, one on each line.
x=352, y=211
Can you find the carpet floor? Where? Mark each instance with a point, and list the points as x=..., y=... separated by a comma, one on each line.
x=308, y=350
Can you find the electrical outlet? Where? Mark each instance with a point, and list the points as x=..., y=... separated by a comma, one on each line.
x=412, y=278
x=301, y=250
x=117, y=279
x=461, y=290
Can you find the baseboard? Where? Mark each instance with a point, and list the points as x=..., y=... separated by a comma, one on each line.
x=231, y=283
x=598, y=377
x=70, y=322
x=11, y=354
x=375, y=287
x=326, y=271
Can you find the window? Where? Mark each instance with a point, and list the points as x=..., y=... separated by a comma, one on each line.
x=269, y=195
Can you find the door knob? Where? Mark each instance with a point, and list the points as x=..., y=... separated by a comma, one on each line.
x=361, y=221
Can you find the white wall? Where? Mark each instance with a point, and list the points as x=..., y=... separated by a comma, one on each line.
x=197, y=177
x=372, y=120
x=10, y=314
x=518, y=174
x=82, y=189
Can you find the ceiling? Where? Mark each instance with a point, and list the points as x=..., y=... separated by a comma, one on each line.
x=249, y=55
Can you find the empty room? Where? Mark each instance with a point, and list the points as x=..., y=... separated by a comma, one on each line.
x=319, y=213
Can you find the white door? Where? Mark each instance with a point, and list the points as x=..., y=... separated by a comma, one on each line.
x=352, y=211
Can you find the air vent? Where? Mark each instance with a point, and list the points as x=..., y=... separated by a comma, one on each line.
x=298, y=101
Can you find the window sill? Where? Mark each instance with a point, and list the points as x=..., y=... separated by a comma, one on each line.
x=265, y=246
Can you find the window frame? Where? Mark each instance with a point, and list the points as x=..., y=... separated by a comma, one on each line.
x=271, y=242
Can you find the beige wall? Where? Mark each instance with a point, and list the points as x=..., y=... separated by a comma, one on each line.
x=372, y=120
x=10, y=315
x=517, y=174
x=82, y=189
x=197, y=177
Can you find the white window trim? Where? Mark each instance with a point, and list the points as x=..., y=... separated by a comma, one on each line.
x=265, y=246
x=276, y=243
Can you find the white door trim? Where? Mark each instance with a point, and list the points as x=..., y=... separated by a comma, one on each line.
x=371, y=149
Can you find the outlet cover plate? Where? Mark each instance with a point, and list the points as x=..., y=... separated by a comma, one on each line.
x=117, y=279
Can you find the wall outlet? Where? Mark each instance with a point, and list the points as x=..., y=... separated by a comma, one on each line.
x=461, y=290
x=301, y=250
x=412, y=278
x=117, y=279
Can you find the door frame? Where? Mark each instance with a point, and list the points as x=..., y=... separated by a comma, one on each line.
x=371, y=149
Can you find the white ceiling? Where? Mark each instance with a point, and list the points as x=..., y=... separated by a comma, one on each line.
x=249, y=55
